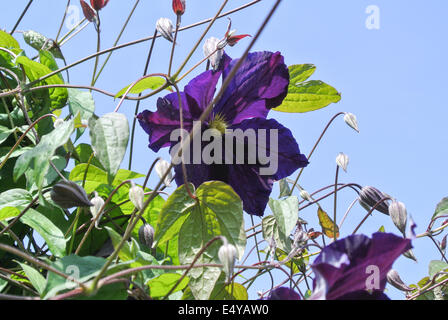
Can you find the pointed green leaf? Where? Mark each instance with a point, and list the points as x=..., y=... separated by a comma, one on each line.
x=285, y=190
x=8, y=41
x=82, y=102
x=53, y=236
x=37, y=280
x=286, y=213
x=161, y=286
x=110, y=136
x=436, y=266
x=150, y=83
x=300, y=72
x=441, y=209
x=309, y=96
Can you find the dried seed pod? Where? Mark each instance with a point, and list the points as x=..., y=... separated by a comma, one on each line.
x=67, y=194
x=146, y=235
x=370, y=196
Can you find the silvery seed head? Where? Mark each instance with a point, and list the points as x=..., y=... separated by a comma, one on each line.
x=370, y=196
x=67, y=194
x=351, y=121
x=165, y=27
x=136, y=195
x=342, y=161
x=146, y=235
x=227, y=254
x=394, y=279
x=399, y=215
x=161, y=167
x=210, y=46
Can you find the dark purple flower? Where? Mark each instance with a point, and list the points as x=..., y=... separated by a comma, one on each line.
x=348, y=268
x=261, y=83
x=283, y=293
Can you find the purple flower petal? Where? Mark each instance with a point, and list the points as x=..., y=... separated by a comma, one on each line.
x=261, y=83
x=283, y=293
x=347, y=265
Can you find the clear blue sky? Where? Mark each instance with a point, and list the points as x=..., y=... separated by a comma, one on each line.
x=393, y=79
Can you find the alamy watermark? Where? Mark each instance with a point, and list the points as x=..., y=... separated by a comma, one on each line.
x=237, y=146
x=373, y=21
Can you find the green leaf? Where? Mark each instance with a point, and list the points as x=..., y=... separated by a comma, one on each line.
x=82, y=102
x=285, y=212
x=8, y=41
x=38, y=157
x=37, y=280
x=271, y=230
x=5, y=132
x=47, y=59
x=80, y=268
x=18, y=198
x=84, y=152
x=52, y=235
x=151, y=83
x=300, y=72
x=328, y=226
x=441, y=209
x=8, y=213
x=233, y=291
x=161, y=286
x=285, y=190
x=217, y=211
x=309, y=96
x=129, y=250
x=35, y=70
x=436, y=266
x=110, y=136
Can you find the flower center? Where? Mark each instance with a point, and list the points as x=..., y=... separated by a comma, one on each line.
x=218, y=123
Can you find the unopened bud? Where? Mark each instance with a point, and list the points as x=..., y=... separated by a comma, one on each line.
x=370, y=196
x=165, y=27
x=146, y=235
x=342, y=161
x=179, y=7
x=394, y=279
x=410, y=255
x=89, y=13
x=67, y=194
x=399, y=215
x=161, y=167
x=350, y=120
x=227, y=254
x=211, y=49
x=98, y=4
x=300, y=238
x=136, y=195
x=305, y=195
x=95, y=210
x=58, y=122
x=443, y=243
x=40, y=42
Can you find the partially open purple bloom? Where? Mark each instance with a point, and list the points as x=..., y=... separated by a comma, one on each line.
x=283, y=293
x=356, y=267
x=260, y=84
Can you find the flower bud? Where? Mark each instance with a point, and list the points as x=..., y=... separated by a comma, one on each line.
x=161, y=167
x=67, y=194
x=230, y=38
x=210, y=46
x=98, y=203
x=410, y=255
x=305, y=195
x=342, y=161
x=350, y=120
x=227, y=254
x=136, y=195
x=443, y=243
x=300, y=238
x=165, y=27
x=40, y=42
x=179, y=7
x=370, y=196
x=146, y=235
x=399, y=215
x=98, y=4
x=89, y=13
x=394, y=279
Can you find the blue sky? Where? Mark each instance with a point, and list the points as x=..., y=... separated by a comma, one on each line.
x=393, y=79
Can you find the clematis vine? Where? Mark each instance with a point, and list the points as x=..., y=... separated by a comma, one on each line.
x=260, y=84
x=356, y=267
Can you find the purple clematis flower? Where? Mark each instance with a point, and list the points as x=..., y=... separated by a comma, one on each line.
x=283, y=293
x=260, y=84
x=348, y=268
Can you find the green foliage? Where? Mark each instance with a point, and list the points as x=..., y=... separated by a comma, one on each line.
x=306, y=96
x=150, y=83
